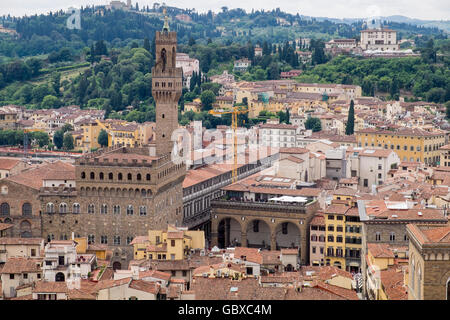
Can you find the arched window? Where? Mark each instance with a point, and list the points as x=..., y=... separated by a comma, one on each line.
x=377, y=236
x=26, y=209
x=413, y=275
x=110, y=176
x=147, y=177
x=130, y=238
x=83, y=175
x=92, y=175
x=119, y=176
x=4, y=209
x=313, y=237
x=143, y=210
x=322, y=238
x=91, y=208
x=50, y=237
x=101, y=176
x=116, y=209
x=130, y=210
x=50, y=208
x=76, y=208
x=104, y=209
x=139, y=177
x=63, y=208
x=129, y=177
x=91, y=239
x=392, y=236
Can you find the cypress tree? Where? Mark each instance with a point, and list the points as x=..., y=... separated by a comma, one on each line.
x=350, y=127
x=147, y=44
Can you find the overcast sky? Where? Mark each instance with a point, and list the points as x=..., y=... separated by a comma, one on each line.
x=421, y=9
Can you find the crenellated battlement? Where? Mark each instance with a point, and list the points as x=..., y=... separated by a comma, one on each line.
x=105, y=157
x=164, y=37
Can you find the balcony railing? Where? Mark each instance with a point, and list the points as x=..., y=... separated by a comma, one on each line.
x=299, y=208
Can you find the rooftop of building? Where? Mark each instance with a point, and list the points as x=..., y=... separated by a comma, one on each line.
x=20, y=265
x=430, y=234
x=34, y=177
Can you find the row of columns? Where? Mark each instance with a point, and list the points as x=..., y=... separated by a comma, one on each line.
x=243, y=240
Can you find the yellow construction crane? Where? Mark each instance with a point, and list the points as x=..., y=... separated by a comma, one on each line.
x=235, y=111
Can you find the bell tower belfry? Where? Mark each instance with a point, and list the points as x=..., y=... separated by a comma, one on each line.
x=166, y=87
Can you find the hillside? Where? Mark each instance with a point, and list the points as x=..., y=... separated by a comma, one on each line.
x=47, y=33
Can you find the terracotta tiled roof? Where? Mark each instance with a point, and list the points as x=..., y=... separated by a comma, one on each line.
x=49, y=287
x=155, y=274
x=342, y=292
x=337, y=209
x=352, y=212
x=8, y=164
x=146, y=286
x=34, y=177
x=412, y=214
x=427, y=235
x=76, y=294
x=377, y=153
x=106, y=284
x=380, y=250
x=249, y=289
x=441, y=234
x=393, y=284
x=318, y=220
x=403, y=131
x=251, y=254
x=329, y=272
x=125, y=156
x=20, y=265
x=309, y=192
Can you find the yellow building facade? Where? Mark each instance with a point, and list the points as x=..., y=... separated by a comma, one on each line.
x=171, y=244
x=413, y=145
x=343, y=237
x=119, y=132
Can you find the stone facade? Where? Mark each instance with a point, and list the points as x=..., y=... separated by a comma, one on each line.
x=429, y=265
x=383, y=230
x=166, y=89
x=115, y=201
x=20, y=206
